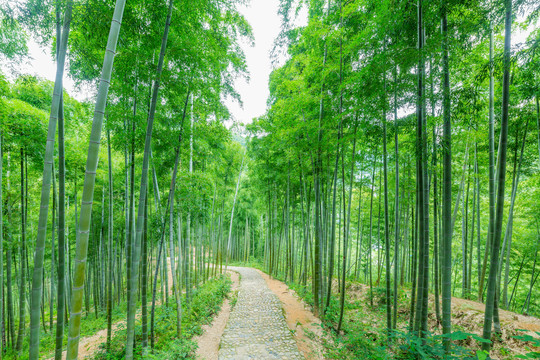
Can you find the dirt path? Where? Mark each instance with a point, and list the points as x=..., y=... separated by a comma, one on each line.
x=208, y=342
x=306, y=328
x=299, y=319
x=256, y=328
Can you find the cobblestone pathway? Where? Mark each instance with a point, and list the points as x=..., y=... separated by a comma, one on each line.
x=256, y=327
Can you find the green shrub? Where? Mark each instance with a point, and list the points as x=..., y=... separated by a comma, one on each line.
x=205, y=302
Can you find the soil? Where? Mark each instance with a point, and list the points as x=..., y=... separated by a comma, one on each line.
x=307, y=328
x=467, y=316
x=208, y=342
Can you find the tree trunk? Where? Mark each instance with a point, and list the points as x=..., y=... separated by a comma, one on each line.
x=22, y=280
x=509, y=224
x=89, y=183
x=61, y=273
x=525, y=309
x=169, y=203
x=446, y=288
x=517, y=281
x=110, y=244
x=232, y=214
x=332, y=245
x=346, y=234
x=435, y=231
x=396, y=205
x=387, y=224
x=130, y=326
x=371, y=231
x=39, y=254
x=491, y=225
x=501, y=174
x=423, y=189
x=177, y=293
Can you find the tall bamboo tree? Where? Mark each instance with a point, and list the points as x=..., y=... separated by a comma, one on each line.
x=501, y=178
x=130, y=328
x=89, y=183
x=446, y=249
x=110, y=244
x=39, y=254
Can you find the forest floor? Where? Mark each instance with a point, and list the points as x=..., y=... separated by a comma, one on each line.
x=467, y=316
x=308, y=333
x=89, y=345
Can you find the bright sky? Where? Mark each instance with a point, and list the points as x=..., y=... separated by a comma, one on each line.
x=265, y=21
x=263, y=17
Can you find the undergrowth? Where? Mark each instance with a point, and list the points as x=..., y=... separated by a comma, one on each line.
x=363, y=335
x=205, y=302
x=90, y=325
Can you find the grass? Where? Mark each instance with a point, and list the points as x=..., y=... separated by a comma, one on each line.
x=205, y=302
x=363, y=334
x=89, y=326
x=358, y=339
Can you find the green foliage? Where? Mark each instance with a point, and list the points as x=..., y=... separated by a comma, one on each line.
x=534, y=342
x=23, y=126
x=33, y=90
x=358, y=340
x=89, y=326
x=410, y=346
x=177, y=349
x=205, y=303
x=12, y=36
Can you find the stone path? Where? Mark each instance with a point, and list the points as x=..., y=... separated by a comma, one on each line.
x=256, y=327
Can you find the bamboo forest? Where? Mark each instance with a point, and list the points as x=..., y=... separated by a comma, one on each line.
x=363, y=185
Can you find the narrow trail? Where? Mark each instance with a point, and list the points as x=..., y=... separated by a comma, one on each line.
x=256, y=328
x=268, y=321
x=304, y=326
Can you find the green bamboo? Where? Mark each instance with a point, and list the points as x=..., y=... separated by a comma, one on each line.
x=176, y=287
x=491, y=298
x=161, y=242
x=109, y=246
x=144, y=281
x=232, y=213
x=1, y=251
x=130, y=328
x=89, y=182
x=396, y=207
x=446, y=248
x=22, y=274
x=61, y=288
x=37, y=279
